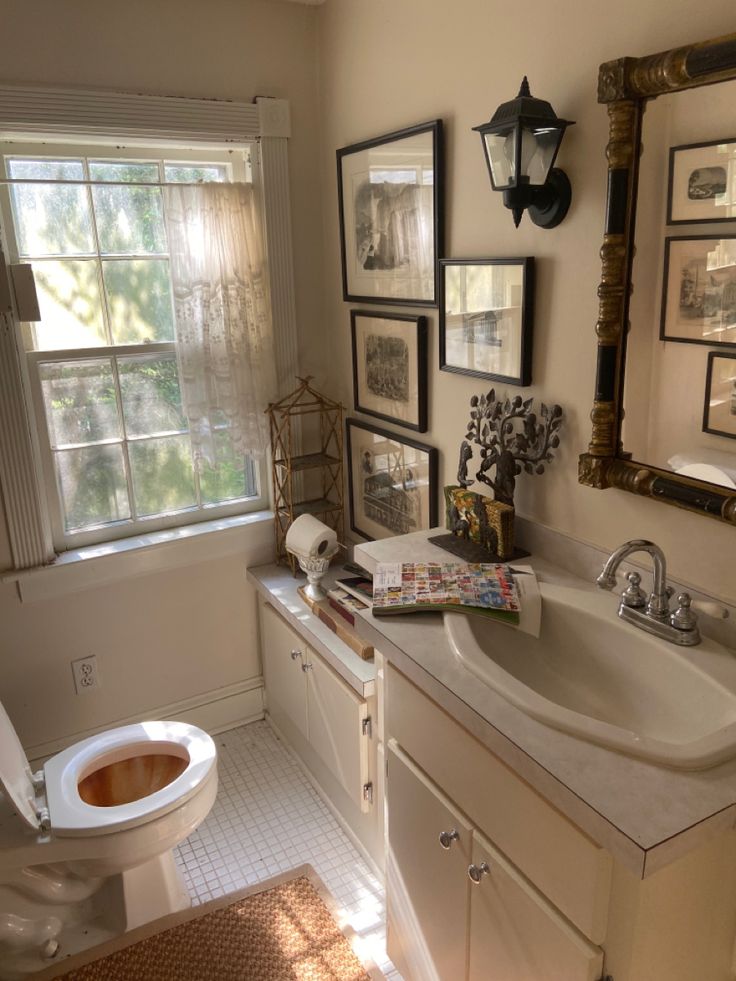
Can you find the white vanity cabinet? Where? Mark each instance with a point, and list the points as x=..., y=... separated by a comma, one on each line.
x=329, y=724
x=457, y=908
x=550, y=904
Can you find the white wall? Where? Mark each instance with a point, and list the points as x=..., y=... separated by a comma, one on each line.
x=168, y=636
x=385, y=65
x=375, y=67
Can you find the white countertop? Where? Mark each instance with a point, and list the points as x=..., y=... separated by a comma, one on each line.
x=277, y=585
x=645, y=815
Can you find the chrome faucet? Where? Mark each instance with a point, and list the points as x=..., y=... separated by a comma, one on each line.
x=651, y=613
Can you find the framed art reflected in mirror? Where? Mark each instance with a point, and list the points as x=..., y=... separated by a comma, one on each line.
x=699, y=290
x=390, y=367
x=700, y=186
x=719, y=410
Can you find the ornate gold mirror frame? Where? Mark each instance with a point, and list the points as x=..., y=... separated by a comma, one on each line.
x=625, y=86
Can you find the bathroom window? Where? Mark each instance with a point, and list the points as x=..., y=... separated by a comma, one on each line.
x=101, y=367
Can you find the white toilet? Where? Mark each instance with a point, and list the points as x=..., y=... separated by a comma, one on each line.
x=89, y=838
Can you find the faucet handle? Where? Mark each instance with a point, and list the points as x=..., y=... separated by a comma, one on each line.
x=684, y=618
x=633, y=595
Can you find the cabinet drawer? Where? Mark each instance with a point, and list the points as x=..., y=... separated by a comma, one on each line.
x=516, y=933
x=566, y=865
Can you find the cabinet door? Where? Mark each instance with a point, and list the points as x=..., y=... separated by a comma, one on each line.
x=335, y=715
x=427, y=885
x=286, y=683
x=516, y=934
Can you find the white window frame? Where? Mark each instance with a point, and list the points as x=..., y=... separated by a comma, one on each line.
x=104, y=118
x=135, y=525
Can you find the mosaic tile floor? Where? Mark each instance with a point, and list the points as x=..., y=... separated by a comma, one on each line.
x=267, y=819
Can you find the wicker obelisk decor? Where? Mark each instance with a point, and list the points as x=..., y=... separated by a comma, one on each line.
x=306, y=462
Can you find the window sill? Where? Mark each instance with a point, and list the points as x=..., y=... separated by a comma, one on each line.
x=98, y=565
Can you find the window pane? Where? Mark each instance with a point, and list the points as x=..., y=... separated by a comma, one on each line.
x=52, y=219
x=163, y=479
x=93, y=487
x=129, y=219
x=193, y=173
x=71, y=306
x=231, y=479
x=123, y=170
x=139, y=300
x=50, y=170
x=151, y=396
x=79, y=397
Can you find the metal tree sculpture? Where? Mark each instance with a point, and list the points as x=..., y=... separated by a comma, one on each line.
x=511, y=438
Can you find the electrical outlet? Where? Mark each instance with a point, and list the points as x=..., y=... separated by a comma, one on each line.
x=85, y=674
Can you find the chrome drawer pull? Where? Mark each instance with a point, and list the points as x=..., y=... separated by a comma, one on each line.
x=447, y=837
x=476, y=872
x=295, y=655
x=306, y=667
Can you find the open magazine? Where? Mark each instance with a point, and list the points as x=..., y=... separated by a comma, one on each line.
x=506, y=593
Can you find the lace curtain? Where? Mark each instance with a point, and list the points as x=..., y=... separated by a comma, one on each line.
x=224, y=339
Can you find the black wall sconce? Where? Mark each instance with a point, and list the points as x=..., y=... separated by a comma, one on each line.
x=520, y=144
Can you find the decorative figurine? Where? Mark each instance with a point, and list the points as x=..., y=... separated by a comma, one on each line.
x=510, y=449
x=512, y=439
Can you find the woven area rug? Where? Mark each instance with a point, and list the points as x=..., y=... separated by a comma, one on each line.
x=280, y=930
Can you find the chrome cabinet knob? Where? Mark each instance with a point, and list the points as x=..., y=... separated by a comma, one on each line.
x=447, y=837
x=295, y=655
x=306, y=667
x=476, y=872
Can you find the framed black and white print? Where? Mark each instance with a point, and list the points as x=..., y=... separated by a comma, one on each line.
x=719, y=410
x=392, y=482
x=390, y=367
x=702, y=182
x=486, y=318
x=699, y=290
x=390, y=199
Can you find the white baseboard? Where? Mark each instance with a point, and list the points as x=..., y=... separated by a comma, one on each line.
x=214, y=711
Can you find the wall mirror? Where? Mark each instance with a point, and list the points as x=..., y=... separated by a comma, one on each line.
x=664, y=415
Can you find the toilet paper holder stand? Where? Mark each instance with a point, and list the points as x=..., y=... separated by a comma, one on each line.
x=315, y=566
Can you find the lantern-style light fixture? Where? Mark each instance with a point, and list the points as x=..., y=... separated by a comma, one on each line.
x=520, y=144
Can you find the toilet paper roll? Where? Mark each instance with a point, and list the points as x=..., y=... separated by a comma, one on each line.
x=309, y=536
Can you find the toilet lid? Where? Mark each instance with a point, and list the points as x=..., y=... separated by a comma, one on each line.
x=15, y=773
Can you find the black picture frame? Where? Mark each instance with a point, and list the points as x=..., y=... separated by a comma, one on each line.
x=377, y=268
x=726, y=408
x=676, y=252
x=457, y=341
x=684, y=205
x=403, y=373
x=391, y=510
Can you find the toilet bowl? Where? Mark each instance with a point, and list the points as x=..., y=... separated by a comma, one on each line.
x=91, y=834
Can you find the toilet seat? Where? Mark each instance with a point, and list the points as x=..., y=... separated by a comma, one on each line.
x=51, y=800
x=72, y=816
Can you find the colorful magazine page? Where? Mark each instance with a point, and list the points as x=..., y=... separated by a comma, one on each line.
x=484, y=588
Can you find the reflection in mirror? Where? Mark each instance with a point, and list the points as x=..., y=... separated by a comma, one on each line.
x=680, y=415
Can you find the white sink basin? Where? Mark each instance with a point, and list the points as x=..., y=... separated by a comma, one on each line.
x=592, y=675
